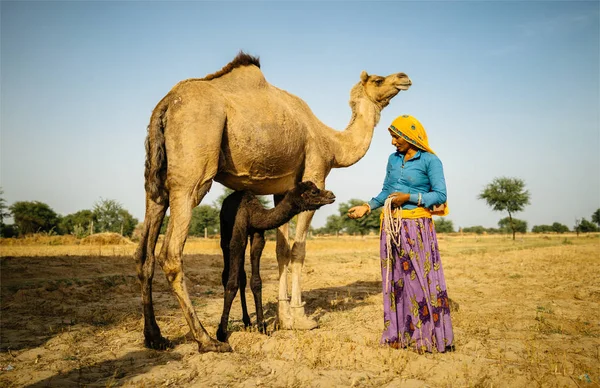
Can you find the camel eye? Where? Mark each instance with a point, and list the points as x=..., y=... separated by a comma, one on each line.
x=378, y=82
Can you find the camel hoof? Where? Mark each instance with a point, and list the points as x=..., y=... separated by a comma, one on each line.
x=304, y=323
x=222, y=335
x=285, y=321
x=301, y=321
x=214, y=346
x=158, y=344
x=262, y=328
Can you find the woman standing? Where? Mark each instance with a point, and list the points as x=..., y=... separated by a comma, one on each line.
x=415, y=302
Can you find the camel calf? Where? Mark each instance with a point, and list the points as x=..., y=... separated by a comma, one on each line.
x=243, y=217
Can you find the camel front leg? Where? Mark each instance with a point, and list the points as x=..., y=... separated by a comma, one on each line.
x=171, y=262
x=298, y=253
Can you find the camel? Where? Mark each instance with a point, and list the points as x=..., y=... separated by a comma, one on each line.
x=235, y=128
x=243, y=217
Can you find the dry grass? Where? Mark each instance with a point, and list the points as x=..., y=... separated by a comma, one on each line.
x=528, y=316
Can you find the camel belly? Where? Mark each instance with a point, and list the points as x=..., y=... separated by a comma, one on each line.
x=263, y=145
x=261, y=159
x=261, y=186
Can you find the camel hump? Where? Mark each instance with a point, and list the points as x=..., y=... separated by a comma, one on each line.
x=242, y=59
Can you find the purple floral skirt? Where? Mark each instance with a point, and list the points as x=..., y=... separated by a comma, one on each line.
x=416, y=311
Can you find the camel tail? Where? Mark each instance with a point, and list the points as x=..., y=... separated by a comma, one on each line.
x=156, y=156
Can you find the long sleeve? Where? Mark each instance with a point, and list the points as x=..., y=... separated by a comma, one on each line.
x=423, y=174
x=437, y=194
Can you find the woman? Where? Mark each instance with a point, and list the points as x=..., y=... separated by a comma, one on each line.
x=415, y=302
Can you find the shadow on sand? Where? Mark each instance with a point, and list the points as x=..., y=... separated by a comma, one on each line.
x=109, y=373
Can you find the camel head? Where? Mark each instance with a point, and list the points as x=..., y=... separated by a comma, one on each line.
x=381, y=90
x=307, y=196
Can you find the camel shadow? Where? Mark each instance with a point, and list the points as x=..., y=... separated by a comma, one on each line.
x=110, y=373
x=321, y=301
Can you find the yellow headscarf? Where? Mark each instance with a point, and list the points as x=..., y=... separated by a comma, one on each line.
x=411, y=130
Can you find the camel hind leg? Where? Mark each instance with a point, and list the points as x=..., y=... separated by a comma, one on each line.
x=145, y=259
x=182, y=203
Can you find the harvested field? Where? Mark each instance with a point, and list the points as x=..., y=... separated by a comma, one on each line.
x=528, y=316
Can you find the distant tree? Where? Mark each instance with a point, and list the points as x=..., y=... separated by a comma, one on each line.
x=3, y=208
x=585, y=226
x=362, y=226
x=519, y=225
x=443, y=225
x=33, y=217
x=110, y=216
x=5, y=230
x=541, y=229
x=596, y=217
x=557, y=227
x=163, y=227
x=333, y=225
x=576, y=226
x=77, y=223
x=506, y=194
x=475, y=229
x=204, y=216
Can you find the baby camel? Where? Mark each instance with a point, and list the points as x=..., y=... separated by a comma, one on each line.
x=242, y=217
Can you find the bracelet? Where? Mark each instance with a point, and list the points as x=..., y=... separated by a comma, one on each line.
x=369, y=206
x=419, y=203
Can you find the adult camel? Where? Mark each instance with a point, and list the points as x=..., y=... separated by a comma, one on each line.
x=235, y=128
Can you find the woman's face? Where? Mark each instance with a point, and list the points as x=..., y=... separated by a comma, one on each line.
x=401, y=145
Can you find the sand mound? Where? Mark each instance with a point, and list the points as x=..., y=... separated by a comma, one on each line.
x=106, y=239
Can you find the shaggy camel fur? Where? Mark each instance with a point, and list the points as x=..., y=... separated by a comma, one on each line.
x=243, y=217
x=202, y=130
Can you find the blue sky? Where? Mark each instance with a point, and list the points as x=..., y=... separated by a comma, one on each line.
x=504, y=88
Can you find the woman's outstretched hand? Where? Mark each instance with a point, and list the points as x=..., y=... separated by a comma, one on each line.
x=358, y=211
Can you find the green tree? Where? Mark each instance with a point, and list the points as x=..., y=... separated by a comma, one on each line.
x=362, y=226
x=110, y=216
x=443, y=225
x=474, y=229
x=33, y=217
x=585, y=226
x=77, y=223
x=506, y=194
x=3, y=208
x=596, y=217
x=333, y=225
x=204, y=216
x=557, y=227
x=5, y=230
x=541, y=229
x=519, y=225
x=163, y=227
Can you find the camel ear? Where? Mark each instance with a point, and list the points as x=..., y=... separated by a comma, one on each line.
x=364, y=76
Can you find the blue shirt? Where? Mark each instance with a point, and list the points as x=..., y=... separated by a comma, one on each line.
x=423, y=173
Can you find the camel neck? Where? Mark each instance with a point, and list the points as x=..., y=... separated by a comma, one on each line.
x=274, y=217
x=352, y=144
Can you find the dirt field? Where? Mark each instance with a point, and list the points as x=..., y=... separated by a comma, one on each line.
x=528, y=315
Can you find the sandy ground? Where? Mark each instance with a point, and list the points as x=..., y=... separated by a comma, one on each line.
x=528, y=315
